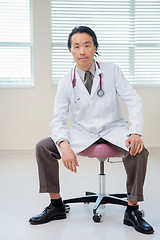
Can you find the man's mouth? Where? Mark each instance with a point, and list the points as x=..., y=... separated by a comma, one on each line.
x=83, y=58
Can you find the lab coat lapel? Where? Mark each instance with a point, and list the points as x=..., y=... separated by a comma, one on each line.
x=96, y=81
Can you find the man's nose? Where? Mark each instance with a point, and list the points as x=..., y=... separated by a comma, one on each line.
x=82, y=51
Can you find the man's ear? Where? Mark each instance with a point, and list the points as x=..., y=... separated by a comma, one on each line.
x=70, y=50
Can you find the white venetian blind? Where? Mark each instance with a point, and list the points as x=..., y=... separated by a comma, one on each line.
x=15, y=43
x=128, y=34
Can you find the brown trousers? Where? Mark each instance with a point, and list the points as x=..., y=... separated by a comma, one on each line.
x=48, y=167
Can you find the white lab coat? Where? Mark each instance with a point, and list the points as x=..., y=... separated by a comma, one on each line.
x=95, y=117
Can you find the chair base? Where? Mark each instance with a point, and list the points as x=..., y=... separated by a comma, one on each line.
x=99, y=199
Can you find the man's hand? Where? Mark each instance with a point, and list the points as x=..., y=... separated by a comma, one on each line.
x=69, y=158
x=134, y=144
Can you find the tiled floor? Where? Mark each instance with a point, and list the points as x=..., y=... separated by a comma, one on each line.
x=19, y=200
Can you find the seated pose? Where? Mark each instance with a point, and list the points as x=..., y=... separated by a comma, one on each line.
x=91, y=91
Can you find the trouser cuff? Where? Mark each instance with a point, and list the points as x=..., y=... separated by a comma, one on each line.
x=133, y=198
x=49, y=190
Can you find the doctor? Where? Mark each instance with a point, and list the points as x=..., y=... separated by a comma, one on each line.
x=91, y=90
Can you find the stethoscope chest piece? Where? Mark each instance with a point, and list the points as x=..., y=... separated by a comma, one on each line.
x=100, y=93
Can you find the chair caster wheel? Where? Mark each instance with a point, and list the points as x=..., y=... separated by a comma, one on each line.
x=97, y=217
x=67, y=208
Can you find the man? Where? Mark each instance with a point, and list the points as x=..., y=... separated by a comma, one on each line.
x=96, y=115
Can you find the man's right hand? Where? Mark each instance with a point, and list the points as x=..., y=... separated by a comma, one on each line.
x=69, y=158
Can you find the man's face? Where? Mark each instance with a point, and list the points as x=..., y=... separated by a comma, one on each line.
x=83, y=49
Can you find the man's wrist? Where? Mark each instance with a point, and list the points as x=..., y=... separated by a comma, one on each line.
x=135, y=134
x=63, y=143
x=61, y=140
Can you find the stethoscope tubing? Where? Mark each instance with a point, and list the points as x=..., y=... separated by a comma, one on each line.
x=100, y=92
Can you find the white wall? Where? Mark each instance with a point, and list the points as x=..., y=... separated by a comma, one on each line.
x=25, y=113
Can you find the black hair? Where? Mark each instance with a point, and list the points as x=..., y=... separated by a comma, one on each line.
x=83, y=29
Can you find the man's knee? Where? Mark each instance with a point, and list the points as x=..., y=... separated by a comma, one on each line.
x=46, y=143
x=39, y=146
x=144, y=153
x=42, y=146
x=142, y=159
x=47, y=146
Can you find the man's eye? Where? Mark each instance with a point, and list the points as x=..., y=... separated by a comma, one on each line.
x=76, y=47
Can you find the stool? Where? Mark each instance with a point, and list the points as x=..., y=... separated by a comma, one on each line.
x=101, y=151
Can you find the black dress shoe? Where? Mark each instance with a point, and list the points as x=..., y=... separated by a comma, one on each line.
x=134, y=218
x=50, y=213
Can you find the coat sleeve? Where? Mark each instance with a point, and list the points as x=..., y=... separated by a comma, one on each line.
x=132, y=101
x=58, y=124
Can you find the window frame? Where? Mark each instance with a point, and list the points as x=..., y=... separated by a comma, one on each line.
x=134, y=82
x=29, y=84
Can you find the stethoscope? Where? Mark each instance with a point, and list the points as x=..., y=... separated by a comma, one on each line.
x=100, y=92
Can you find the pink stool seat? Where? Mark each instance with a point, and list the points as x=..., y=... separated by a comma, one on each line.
x=101, y=150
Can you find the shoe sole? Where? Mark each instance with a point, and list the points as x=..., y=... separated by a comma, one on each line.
x=128, y=223
x=51, y=219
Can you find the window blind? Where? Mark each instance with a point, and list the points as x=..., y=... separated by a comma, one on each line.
x=128, y=34
x=15, y=43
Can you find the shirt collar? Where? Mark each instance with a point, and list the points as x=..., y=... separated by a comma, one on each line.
x=82, y=73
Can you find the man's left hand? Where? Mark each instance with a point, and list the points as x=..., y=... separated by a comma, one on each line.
x=134, y=144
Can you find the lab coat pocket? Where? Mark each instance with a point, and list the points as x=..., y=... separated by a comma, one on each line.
x=108, y=100
x=110, y=106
